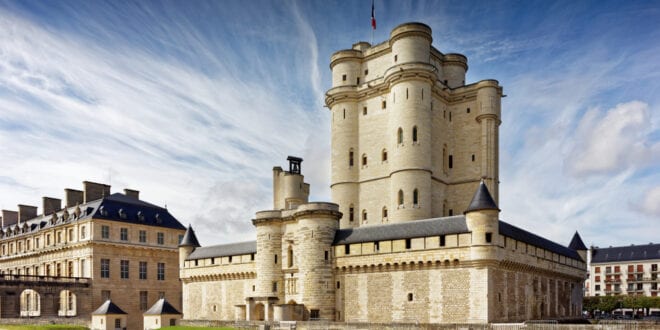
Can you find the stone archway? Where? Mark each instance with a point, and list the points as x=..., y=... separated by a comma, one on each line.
x=258, y=312
x=30, y=303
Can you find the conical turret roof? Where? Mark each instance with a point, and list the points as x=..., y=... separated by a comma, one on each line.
x=162, y=307
x=189, y=238
x=482, y=200
x=576, y=243
x=108, y=307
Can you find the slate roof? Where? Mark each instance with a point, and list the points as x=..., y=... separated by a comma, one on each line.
x=625, y=253
x=482, y=200
x=116, y=207
x=224, y=250
x=412, y=229
x=576, y=243
x=529, y=238
x=189, y=238
x=162, y=307
x=108, y=307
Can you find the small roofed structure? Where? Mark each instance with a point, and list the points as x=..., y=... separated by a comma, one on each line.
x=482, y=200
x=189, y=238
x=161, y=314
x=108, y=317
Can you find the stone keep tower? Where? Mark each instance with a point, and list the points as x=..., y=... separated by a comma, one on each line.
x=410, y=140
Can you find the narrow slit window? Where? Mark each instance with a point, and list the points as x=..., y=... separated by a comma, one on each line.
x=384, y=104
x=364, y=160
x=347, y=249
x=414, y=134
x=489, y=237
x=343, y=77
x=384, y=155
x=408, y=243
x=442, y=240
x=364, y=111
x=399, y=134
x=350, y=158
x=416, y=197
x=451, y=161
x=351, y=212
x=400, y=197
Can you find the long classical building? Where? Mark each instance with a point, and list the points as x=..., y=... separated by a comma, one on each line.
x=413, y=233
x=69, y=260
x=624, y=270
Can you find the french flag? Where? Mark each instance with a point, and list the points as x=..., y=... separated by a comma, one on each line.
x=373, y=15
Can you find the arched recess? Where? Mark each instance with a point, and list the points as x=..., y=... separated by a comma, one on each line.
x=30, y=303
x=259, y=312
x=67, y=304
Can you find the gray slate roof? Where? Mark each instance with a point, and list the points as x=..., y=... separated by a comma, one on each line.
x=162, y=307
x=625, y=253
x=412, y=229
x=108, y=307
x=233, y=249
x=529, y=238
x=189, y=238
x=482, y=200
x=576, y=243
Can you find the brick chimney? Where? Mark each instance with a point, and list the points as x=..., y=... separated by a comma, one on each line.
x=132, y=193
x=9, y=218
x=94, y=191
x=26, y=212
x=50, y=205
x=72, y=197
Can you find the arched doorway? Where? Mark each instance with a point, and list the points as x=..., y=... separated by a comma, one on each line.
x=67, y=303
x=30, y=303
x=258, y=312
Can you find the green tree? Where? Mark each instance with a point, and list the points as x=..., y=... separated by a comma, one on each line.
x=609, y=303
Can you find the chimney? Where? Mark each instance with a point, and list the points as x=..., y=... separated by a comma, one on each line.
x=132, y=193
x=26, y=212
x=94, y=191
x=50, y=205
x=73, y=197
x=9, y=218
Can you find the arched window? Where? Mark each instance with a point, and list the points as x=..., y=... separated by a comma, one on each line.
x=383, y=155
x=400, y=197
x=414, y=134
x=415, y=197
x=364, y=215
x=350, y=157
x=364, y=159
x=399, y=136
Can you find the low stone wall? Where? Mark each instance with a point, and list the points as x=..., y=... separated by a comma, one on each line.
x=79, y=321
x=323, y=325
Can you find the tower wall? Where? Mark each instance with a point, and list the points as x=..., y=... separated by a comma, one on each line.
x=269, y=245
x=317, y=224
x=289, y=189
x=345, y=177
x=489, y=104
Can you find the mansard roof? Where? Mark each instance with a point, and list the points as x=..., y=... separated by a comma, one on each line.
x=189, y=238
x=224, y=250
x=162, y=307
x=482, y=200
x=108, y=307
x=576, y=243
x=625, y=253
x=115, y=207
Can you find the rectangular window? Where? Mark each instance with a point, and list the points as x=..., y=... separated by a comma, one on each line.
x=640, y=268
x=105, y=268
x=597, y=278
x=327, y=255
x=343, y=77
x=597, y=270
x=314, y=314
x=347, y=249
x=274, y=286
x=123, y=234
x=36, y=243
x=489, y=237
x=117, y=323
x=451, y=161
x=143, y=270
x=123, y=269
x=161, y=271
x=640, y=287
x=143, y=236
x=161, y=238
x=143, y=300
x=83, y=232
x=608, y=270
x=376, y=246
x=59, y=237
x=275, y=259
x=408, y=243
x=70, y=238
x=597, y=287
x=654, y=267
x=384, y=105
x=105, y=232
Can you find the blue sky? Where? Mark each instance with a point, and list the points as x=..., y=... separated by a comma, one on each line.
x=194, y=102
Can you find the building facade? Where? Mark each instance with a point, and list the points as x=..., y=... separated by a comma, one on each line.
x=624, y=270
x=413, y=233
x=116, y=246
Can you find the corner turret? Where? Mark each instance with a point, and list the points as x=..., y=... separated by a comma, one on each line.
x=578, y=245
x=188, y=244
x=482, y=218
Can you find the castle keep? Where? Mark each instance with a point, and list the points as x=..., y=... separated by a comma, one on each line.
x=413, y=233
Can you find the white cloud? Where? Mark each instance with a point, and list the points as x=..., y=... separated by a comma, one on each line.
x=613, y=141
x=651, y=202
